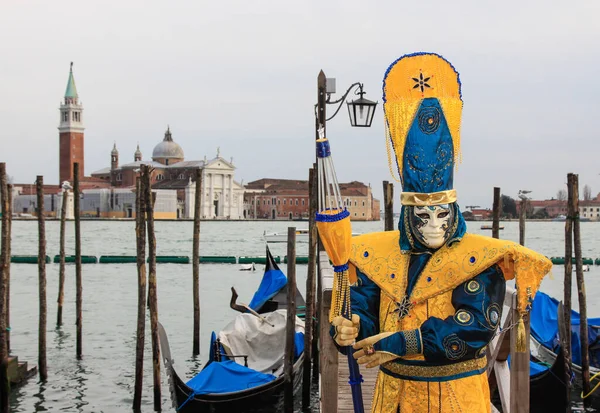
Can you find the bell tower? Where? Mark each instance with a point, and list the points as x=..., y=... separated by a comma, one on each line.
x=114, y=158
x=70, y=132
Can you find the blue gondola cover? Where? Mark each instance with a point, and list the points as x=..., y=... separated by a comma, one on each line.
x=227, y=376
x=273, y=280
x=544, y=328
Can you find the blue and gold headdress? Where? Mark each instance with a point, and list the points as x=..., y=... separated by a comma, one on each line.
x=423, y=107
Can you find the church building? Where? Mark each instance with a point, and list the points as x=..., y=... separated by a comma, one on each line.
x=222, y=197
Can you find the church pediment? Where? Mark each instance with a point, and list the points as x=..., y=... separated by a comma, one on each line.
x=219, y=163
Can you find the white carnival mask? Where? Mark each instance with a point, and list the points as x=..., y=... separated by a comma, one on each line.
x=431, y=224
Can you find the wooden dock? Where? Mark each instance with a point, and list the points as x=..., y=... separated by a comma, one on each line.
x=343, y=388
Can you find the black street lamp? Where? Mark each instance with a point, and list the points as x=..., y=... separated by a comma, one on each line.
x=360, y=111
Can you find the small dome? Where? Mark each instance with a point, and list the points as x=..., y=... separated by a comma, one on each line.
x=167, y=149
x=114, y=150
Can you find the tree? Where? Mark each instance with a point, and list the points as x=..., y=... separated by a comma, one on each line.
x=587, y=193
x=561, y=195
x=509, y=206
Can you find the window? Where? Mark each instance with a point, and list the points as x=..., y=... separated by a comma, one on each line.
x=181, y=176
x=355, y=203
x=119, y=177
x=584, y=209
x=296, y=202
x=279, y=202
x=363, y=203
x=283, y=201
x=160, y=177
x=269, y=202
x=302, y=201
x=264, y=202
x=363, y=214
x=65, y=117
x=355, y=214
x=291, y=201
x=253, y=202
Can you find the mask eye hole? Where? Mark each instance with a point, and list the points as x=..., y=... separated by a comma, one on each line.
x=423, y=216
x=443, y=214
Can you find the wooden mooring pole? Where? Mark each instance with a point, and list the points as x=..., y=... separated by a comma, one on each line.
x=4, y=263
x=290, y=329
x=42, y=367
x=496, y=214
x=583, y=323
x=196, y=264
x=310, y=292
x=9, y=189
x=140, y=236
x=388, y=200
x=566, y=340
x=152, y=296
x=522, y=217
x=78, y=280
x=61, y=265
x=314, y=264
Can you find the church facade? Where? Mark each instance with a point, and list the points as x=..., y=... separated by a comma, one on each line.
x=222, y=196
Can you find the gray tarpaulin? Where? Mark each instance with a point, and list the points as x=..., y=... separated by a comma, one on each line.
x=262, y=343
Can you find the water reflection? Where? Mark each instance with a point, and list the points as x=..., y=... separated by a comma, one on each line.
x=78, y=379
x=194, y=365
x=60, y=337
x=39, y=403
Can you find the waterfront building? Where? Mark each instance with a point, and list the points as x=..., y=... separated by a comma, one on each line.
x=553, y=208
x=222, y=196
x=478, y=214
x=286, y=199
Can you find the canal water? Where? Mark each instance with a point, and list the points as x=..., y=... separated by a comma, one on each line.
x=103, y=380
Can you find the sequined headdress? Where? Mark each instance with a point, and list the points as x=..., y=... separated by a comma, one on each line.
x=423, y=107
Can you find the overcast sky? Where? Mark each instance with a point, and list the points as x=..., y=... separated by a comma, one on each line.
x=241, y=75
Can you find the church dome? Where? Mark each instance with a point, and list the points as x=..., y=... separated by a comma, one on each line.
x=167, y=149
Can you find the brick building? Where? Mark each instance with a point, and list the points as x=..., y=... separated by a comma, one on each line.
x=588, y=210
x=286, y=199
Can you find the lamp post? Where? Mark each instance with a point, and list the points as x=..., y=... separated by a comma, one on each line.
x=361, y=112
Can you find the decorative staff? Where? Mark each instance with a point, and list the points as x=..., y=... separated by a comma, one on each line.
x=335, y=231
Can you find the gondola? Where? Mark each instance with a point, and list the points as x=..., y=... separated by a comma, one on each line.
x=268, y=396
x=547, y=391
x=545, y=340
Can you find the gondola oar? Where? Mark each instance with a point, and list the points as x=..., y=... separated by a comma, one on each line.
x=335, y=231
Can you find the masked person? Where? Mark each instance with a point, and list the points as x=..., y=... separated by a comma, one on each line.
x=427, y=299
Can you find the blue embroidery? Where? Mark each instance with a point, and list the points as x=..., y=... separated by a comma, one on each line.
x=455, y=347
